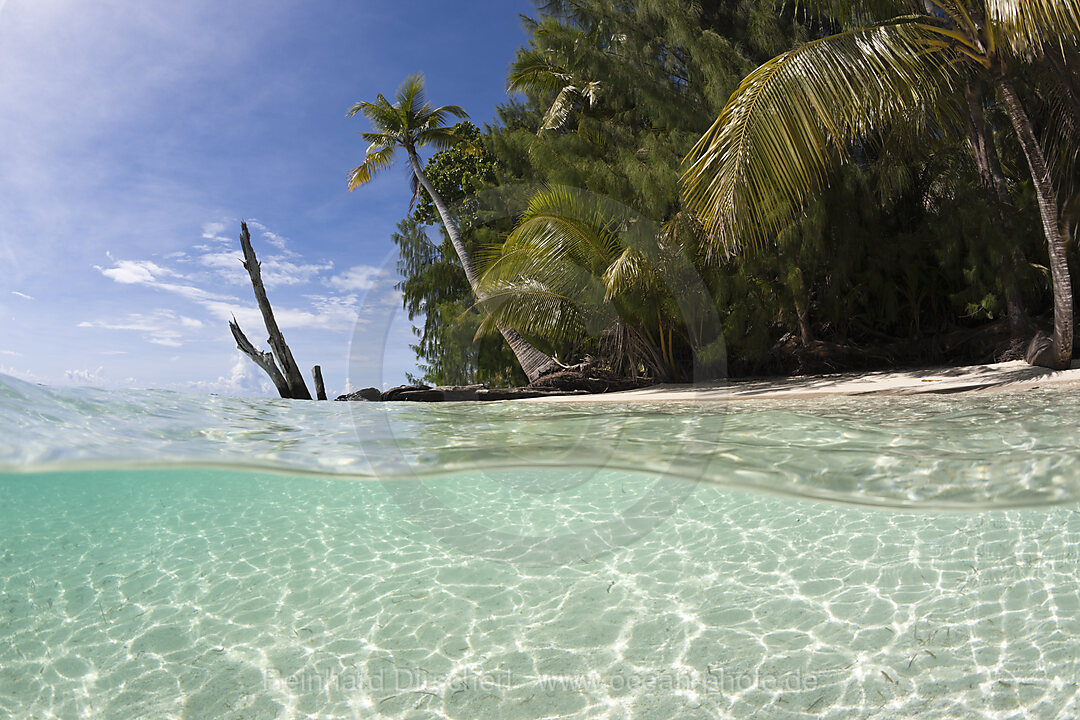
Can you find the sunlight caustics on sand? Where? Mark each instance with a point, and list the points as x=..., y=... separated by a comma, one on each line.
x=904, y=557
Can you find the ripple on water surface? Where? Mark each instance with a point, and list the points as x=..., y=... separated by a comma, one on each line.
x=230, y=592
x=220, y=594
x=1003, y=450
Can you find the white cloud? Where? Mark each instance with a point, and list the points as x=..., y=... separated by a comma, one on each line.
x=85, y=377
x=10, y=352
x=144, y=272
x=210, y=287
x=162, y=327
x=275, y=240
x=223, y=259
x=327, y=313
x=335, y=314
x=226, y=265
x=130, y=272
x=271, y=237
x=24, y=375
x=208, y=266
x=24, y=296
x=244, y=378
x=278, y=272
x=358, y=277
x=212, y=230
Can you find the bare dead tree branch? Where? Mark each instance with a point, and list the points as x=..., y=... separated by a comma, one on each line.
x=294, y=386
x=263, y=359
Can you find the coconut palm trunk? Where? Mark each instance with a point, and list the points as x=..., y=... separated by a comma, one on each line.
x=409, y=124
x=1048, y=209
x=532, y=360
x=996, y=190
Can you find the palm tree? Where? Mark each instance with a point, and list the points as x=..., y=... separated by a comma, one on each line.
x=797, y=115
x=411, y=123
x=582, y=270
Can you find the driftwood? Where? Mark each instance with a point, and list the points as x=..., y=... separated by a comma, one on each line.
x=263, y=359
x=570, y=381
x=285, y=374
x=320, y=388
x=452, y=393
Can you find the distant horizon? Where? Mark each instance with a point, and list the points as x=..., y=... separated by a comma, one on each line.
x=138, y=138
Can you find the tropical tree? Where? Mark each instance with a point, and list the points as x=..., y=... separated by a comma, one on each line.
x=613, y=95
x=434, y=290
x=532, y=70
x=588, y=273
x=900, y=62
x=411, y=123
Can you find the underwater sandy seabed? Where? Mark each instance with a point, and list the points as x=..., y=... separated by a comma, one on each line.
x=223, y=594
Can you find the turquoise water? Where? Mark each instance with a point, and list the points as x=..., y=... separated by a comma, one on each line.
x=172, y=556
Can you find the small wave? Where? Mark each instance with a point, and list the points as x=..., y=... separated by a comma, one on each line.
x=912, y=454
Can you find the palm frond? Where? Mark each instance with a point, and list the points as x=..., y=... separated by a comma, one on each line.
x=411, y=95
x=791, y=120
x=382, y=115
x=560, y=249
x=534, y=309
x=630, y=271
x=360, y=107
x=559, y=111
x=1027, y=26
x=1053, y=81
x=565, y=221
x=409, y=123
x=414, y=186
x=441, y=138
x=533, y=71
x=380, y=139
x=374, y=161
x=550, y=267
x=440, y=115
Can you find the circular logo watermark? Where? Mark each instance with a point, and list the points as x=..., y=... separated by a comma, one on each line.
x=551, y=483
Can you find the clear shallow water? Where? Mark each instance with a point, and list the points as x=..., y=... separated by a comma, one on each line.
x=915, y=557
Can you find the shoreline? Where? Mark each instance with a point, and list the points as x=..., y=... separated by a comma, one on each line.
x=1002, y=376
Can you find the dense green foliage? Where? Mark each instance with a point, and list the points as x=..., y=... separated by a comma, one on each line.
x=436, y=294
x=410, y=123
x=904, y=248
x=926, y=70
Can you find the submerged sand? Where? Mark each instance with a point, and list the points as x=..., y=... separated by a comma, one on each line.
x=995, y=376
x=196, y=594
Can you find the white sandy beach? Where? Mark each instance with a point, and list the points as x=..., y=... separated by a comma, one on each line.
x=995, y=376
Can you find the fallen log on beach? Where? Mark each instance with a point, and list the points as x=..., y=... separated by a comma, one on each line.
x=452, y=393
x=563, y=382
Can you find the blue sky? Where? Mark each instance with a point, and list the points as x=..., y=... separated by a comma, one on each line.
x=134, y=136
